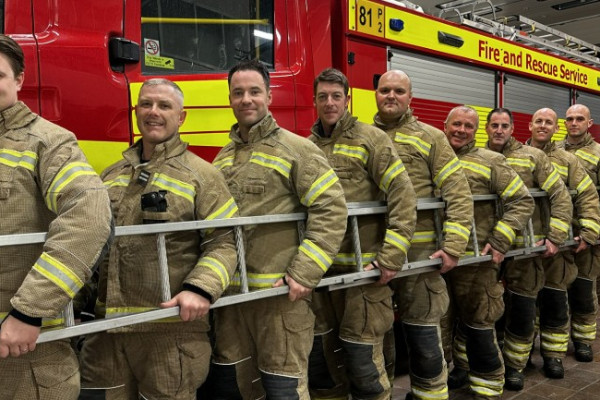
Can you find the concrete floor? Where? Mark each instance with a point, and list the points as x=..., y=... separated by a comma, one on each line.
x=581, y=381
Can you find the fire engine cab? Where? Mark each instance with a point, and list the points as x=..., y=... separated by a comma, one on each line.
x=85, y=62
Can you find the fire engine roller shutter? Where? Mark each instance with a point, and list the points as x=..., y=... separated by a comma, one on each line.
x=524, y=96
x=592, y=101
x=527, y=96
x=441, y=80
x=439, y=85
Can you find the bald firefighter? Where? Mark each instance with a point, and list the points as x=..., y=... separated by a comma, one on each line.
x=432, y=167
x=560, y=270
x=582, y=294
x=551, y=221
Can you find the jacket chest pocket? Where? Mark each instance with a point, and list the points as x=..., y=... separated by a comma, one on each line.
x=6, y=178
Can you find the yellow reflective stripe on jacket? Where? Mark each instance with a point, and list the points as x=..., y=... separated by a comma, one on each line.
x=175, y=186
x=217, y=267
x=521, y=162
x=46, y=322
x=558, y=224
x=550, y=180
x=352, y=151
x=58, y=273
x=451, y=167
x=350, y=258
x=114, y=312
x=584, y=184
x=227, y=210
x=506, y=231
x=224, y=162
x=257, y=281
x=562, y=169
x=397, y=240
x=512, y=188
x=414, y=141
x=277, y=163
x=480, y=169
x=453, y=227
x=316, y=254
x=424, y=237
x=584, y=155
x=391, y=173
x=318, y=187
x=66, y=175
x=12, y=158
x=121, y=180
x=588, y=223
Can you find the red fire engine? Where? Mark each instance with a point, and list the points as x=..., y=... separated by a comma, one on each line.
x=85, y=62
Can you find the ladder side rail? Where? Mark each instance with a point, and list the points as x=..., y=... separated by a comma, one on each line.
x=340, y=281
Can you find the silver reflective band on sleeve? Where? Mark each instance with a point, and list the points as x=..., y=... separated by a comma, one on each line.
x=58, y=273
x=66, y=175
x=318, y=187
x=451, y=167
x=316, y=254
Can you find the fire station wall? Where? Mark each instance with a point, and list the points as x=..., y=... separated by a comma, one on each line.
x=439, y=83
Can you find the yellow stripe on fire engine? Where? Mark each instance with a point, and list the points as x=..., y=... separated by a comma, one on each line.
x=209, y=117
x=423, y=32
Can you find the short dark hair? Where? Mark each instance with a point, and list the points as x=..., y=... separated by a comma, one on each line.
x=251, y=65
x=500, y=110
x=331, y=75
x=14, y=53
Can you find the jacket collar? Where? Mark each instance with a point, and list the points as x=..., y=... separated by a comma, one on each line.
x=342, y=127
x=16, y=116
x=163, y=151
x=406, y=117
x=262, y=129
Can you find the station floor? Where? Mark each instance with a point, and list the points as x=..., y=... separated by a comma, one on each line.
x=581, y=381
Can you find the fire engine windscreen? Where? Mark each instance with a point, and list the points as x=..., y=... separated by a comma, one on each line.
x=195, y=36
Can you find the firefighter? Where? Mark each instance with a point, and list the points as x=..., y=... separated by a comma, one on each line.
x=46, y=185
x=356, y=319
x=560, y=270
x=432, y=166
x=475, y=289
x=582, y=293
x=525, y=277
x=159, y=180
x=270, y=170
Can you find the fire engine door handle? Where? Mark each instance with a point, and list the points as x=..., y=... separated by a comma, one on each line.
x=121, y=51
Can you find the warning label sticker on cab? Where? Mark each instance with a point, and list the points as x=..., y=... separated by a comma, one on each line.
x=159, y=62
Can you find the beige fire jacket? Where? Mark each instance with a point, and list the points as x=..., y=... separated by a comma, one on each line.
x=586, y=217
x=552, y=216
x=203, y=262
x=588, y=152
x=369, y=169
x=46, y=185
x=433, y=168
x=279, y=172
x=488, y=173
